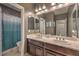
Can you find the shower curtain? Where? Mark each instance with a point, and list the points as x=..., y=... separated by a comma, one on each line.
x=0, y=31
x=11, y=27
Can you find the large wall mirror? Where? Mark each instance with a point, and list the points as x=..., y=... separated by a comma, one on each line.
x=63, y=21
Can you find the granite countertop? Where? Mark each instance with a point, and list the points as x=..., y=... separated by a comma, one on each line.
x=72, y=44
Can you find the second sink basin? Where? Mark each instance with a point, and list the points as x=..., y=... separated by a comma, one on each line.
x=61, y=42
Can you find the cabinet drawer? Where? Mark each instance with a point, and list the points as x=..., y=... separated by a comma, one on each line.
x=61, y=50
x=38, y=43
x=51, y=53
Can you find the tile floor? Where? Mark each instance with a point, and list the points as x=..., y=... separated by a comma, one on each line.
x=13, y=52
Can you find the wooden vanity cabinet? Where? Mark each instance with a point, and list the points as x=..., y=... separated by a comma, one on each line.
x=32, y=49
x=35, y=48
x=38, y=48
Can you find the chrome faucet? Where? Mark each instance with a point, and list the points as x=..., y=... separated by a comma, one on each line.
x=59, y=38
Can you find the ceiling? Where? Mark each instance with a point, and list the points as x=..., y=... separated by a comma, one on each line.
x=31, y=7
x=27, y=6
x=61, y=11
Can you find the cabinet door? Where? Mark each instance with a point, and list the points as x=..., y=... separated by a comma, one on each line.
x=39, y=51
x=32, y=49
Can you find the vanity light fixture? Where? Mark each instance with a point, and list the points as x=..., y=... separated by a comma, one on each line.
x=40, y=8
x=66, y=3
x=52, y=4
x=44, y=7
x=54, y=7
x=60, y=5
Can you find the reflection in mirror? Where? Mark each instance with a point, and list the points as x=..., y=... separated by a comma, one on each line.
x=33, y=25
x=60, y=22
x=77, y=20
x=61, y=27
x=37, y=24
x=42, y=26
x=50, y=23
x=74, y=30
x=30, y=24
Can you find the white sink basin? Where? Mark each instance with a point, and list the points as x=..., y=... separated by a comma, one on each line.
x=61, y=42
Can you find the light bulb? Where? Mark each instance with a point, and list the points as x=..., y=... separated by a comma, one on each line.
x=66, y=3
x=44, y=6
x=52, y=4
x=73, y=31
x=60, y=5
x=54, y=7
x=40, y=8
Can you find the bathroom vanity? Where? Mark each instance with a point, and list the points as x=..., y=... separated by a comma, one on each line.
x=50, y=47
x=61, y=22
